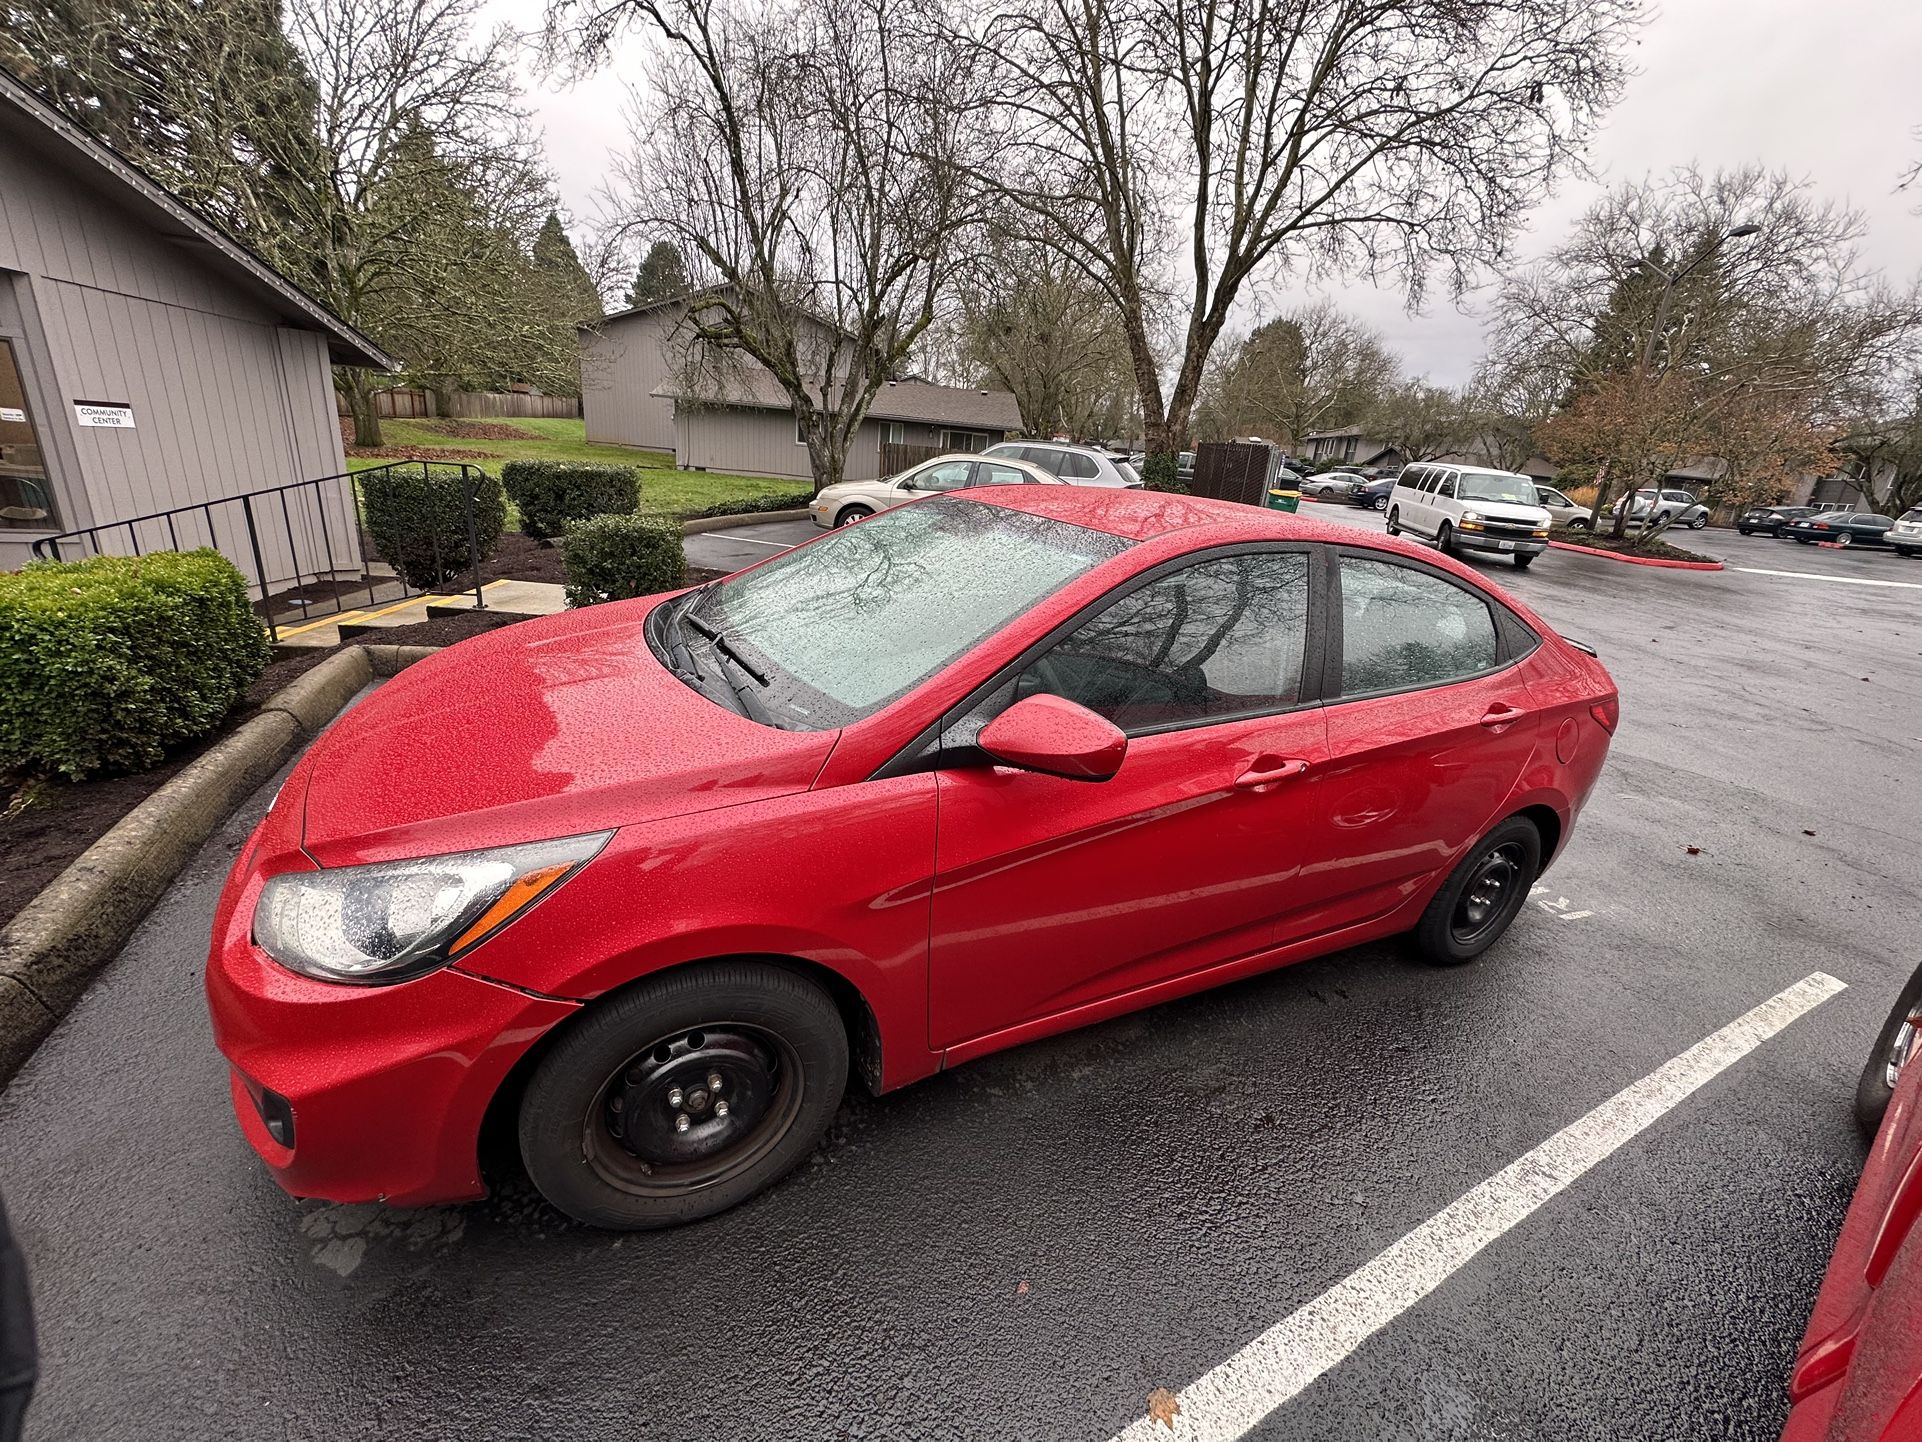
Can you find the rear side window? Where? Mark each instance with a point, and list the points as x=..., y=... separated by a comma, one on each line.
x=1076, y=466
x=1220, y=638
x=1413, y=477
x=1402, y=628
x=987, y=473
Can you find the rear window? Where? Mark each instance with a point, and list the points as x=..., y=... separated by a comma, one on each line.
x=1913, y=516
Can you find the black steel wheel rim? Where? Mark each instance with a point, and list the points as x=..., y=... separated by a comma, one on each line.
x=692, y=1109
x=1498, y=878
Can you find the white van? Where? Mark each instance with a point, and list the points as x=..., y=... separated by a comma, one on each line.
x=1470, y=508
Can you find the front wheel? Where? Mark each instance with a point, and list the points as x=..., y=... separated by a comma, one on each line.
x=683, y=1095
x=1698, y=523
x=1581, y=523
x=1522, y=563
x=1444, y=538
x=850, y=514
x=1845, y=539
x=1482, y=895
x=1743, y=531
x=1895, y=1047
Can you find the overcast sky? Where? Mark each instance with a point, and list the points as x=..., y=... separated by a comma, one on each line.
x=1827, y=89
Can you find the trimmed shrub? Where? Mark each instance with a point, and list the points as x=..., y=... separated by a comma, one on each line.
x=779, y=501
x=549, y=494
x=616, y=558
x=106, y=663
x=1160, y=471
x=417, y=520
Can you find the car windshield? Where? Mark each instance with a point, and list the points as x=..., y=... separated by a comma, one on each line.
x=831, y=632
x=1496, y=486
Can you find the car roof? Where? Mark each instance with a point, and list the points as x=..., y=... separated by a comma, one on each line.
x=1142, y=515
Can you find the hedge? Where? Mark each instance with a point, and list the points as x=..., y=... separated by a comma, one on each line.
x=616, y=558
x=417, y=520
x=549, y=494
x=1161, y=472
x=106, y=663
x=779, y=501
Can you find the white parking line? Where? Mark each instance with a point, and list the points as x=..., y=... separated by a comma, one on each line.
x=1838, y=580
x=1233, y=1399
x=753, y=541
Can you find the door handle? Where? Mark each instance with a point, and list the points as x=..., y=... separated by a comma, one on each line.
x=1500, y=714
x=1250, y=780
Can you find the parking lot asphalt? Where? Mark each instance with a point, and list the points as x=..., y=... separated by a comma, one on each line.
x=1027, y=1246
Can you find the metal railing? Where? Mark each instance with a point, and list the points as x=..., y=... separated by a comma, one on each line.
x=307, y=533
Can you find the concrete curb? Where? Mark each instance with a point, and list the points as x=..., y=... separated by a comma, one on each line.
x=1637, y=560
x=746, y=518
x=54, y=947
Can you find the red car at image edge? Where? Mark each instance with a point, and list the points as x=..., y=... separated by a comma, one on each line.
x=644, y=882
x=1858, y=1377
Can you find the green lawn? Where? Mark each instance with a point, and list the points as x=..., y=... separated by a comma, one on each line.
x=663, y=489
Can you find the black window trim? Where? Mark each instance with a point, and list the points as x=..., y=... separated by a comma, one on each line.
x=1515, y=639
x=916, y=755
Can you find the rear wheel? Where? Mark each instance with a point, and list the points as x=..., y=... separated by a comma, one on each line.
x=1378, y=503
x=1744, y=531
x=1895, y=1048
x=1394, y=522
x=1803, y=541
x=1581, y=523
x=1482, y=895
x=850, y=514
x=684, y=1095
x=1698, y=523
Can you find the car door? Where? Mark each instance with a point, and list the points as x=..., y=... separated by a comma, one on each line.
x=1405, y=499
x=1430, y=725
x=1051, y=894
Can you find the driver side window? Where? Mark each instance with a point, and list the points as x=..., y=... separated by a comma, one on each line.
x=1220, y=638
x=948, y=476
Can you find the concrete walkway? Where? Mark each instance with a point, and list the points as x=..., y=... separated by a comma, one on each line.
x=512, y=598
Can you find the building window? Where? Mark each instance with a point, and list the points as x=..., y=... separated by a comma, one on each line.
x=1348, y=449
x=894, y=433
x=964, y=440
x=800, y=432
x=26, y=502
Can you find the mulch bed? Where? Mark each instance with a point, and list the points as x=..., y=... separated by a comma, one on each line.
x=1658, y=549
x=419, y=453
x=66, y=817
x=478, y=430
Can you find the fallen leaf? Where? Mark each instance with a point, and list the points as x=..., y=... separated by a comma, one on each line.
x=1694, y=851
x=1807, y=832
x=1021, y=1288
x=1163, y=1407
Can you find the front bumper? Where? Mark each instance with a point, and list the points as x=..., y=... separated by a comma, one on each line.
x=386, y=1086
x=822, y=515
x=1499, y=545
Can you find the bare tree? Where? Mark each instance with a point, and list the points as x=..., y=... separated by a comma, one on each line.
x=1422, y=421
x=1177, y=150
x=1310, y=369
x=809, y=162
x=1700, y=301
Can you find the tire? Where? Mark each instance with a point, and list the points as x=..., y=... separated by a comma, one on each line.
x=1454, y=929
x=1845, y=539
x=850, y=514
x=774, y=1035
x=1743, y=531
x=1803, y=541
x=1445, y=538
x=1581, y=523
x=1698, y=523
x=1905, y=551
x=1394, y=522
x=1873, y=1091
x=1378, y=503
x=1522, y=563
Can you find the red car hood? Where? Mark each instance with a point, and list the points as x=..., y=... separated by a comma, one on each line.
x=546, y=728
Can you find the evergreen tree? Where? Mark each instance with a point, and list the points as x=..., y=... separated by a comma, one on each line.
x=556, y=261
x=662, y=276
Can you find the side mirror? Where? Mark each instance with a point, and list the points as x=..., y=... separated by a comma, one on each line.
x=1054, y=736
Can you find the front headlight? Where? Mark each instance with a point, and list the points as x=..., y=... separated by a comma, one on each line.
x=1475, y=516
x=392, y=921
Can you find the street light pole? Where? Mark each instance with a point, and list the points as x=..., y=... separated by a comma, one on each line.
x=1670, y=281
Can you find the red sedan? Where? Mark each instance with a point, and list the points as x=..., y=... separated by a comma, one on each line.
x=1859, y=1375
x=648, y=880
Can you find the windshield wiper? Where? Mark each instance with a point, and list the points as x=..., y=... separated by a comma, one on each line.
x=725, y=647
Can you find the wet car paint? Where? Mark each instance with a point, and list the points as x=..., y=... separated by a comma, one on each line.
x=739, y=839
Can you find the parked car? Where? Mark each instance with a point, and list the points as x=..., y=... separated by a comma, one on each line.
x=1769, y=520
x=1841, y=528
x=1374, y=495
x=845, y=502
x=1470, y=508
x=1906, y=534
x=1858, y=1375
x=1078, y=465
x=987, y=767
x=1333, y=485
x=1562, y=511
x=1652, y=507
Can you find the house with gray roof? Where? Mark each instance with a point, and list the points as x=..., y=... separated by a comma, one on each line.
x=638, y=388
x=148, y=361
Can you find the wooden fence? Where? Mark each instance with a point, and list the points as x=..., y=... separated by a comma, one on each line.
x=407, y=403
x=899, y=456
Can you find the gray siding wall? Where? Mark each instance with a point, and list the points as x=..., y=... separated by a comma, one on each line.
x=747, y=442
x=226, y=399
x=621, y=364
